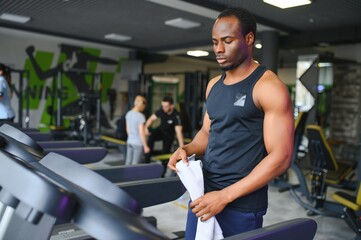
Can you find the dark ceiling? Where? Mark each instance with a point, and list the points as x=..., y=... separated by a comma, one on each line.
x=324, y=22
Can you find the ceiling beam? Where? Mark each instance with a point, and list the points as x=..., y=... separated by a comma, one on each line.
x=335, y=36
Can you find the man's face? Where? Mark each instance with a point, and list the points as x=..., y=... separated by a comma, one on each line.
x=229, y=45
x=167, y=107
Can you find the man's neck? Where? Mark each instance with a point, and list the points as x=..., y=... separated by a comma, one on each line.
x=241, y=72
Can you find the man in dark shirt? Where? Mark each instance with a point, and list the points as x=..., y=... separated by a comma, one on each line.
x=247, y=133
x=170, y=125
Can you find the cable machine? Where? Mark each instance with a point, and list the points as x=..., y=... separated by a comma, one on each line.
x=190, y=106
x=19, y=92
x=81, y=108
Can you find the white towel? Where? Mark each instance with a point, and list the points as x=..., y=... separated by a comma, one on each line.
x=192, y=178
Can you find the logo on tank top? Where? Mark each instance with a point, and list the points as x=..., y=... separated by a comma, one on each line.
x=240, y=100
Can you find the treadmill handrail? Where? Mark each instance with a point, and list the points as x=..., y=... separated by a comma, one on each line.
x=34, y=189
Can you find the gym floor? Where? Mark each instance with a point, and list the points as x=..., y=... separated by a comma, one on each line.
x=171, y=217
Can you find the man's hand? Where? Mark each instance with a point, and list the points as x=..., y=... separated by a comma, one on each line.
x=179, y=154
x=208, y=205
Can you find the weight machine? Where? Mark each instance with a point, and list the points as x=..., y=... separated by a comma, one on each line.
x=19, y=92
x=81, y=111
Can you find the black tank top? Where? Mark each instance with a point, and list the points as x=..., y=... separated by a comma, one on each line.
x=236, y=142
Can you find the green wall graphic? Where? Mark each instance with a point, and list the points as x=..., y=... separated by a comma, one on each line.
x=75, y=69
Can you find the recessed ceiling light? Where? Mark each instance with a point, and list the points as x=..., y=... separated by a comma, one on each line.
x=14, y=18
x=117, y=37
x=324, y=64
x=258, y=44
x=182, y=23
x=324, y=44
x=287, y=3
x=197, y=53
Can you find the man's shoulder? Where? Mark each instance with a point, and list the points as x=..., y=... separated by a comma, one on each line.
x=215, y=79
x=158, y=112
x=211, y=83
x=269, y=79
x=270, y=83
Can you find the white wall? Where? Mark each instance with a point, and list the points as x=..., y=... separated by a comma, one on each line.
x=349, y=52
x=179, y=64
x=287, y=75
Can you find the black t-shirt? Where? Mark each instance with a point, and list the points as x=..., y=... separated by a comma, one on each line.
x=168, y=121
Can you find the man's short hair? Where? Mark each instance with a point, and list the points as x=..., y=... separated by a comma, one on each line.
x=245, y=18
x=168, y=99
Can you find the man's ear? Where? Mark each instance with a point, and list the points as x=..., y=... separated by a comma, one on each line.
x=250, y=38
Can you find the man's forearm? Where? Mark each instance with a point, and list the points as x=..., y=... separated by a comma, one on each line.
x=150, y=120
x=178, y=130
x=148, y=123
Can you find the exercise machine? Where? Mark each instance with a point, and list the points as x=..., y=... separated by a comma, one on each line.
x=48, y=200
x=85, y=210
x=295, y=229
x=118, y=211
x=82, y=155
x=72, y=175
x=97, y=198
x=19, y=92
x=322, y=165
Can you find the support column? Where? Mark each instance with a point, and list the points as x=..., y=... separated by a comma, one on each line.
x=134, y=84
x=269, y=51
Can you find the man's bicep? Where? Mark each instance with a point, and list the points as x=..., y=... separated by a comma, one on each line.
x=278, y=123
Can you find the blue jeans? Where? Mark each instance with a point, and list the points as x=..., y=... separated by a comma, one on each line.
x=232, y=222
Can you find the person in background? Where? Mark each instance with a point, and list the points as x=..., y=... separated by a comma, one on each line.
x=7, y=113
x=247, y=133
x=136, y=142
x=170, y=125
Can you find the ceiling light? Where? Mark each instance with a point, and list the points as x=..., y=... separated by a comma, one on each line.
x=197, y=53
x=182, y=23
x=258, y=44
x=323, y=44
x=117, y=37
x=287, y=4
x=14, y=18
x=324, y=64
x=162, y=79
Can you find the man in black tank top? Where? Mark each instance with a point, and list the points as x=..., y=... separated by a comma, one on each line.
x=247, y=133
